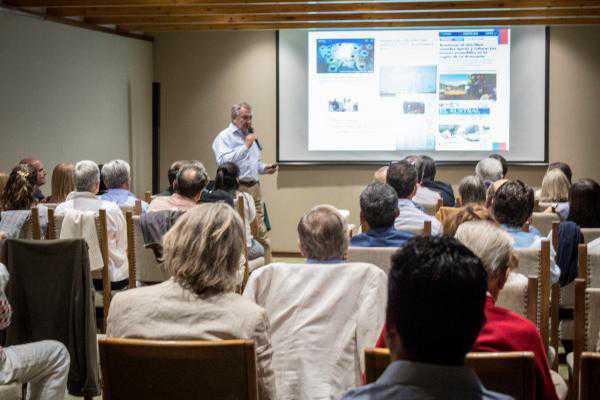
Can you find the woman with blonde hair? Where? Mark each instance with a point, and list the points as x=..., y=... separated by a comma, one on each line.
x=554, y=195
x=18, y=193
x=202, y=253
x=63, y=182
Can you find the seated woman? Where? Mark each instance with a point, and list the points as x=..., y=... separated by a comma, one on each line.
x=63, y=183
x=202, y=253
x=227, y=180
x=17, y=198
x=554, y=195
x=584, y=203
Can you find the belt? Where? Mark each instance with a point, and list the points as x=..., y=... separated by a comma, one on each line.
x=248, y=183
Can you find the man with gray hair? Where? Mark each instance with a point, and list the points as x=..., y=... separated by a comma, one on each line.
x=83, y=199
x=240, y=145
x=335, y=305
x=117, y=177
x=489, y=170
x=190, y=181
x=378, y=211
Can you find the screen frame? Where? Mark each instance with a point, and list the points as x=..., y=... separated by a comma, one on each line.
x=383, y=163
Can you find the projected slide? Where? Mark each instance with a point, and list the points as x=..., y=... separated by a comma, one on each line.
x=404, y=90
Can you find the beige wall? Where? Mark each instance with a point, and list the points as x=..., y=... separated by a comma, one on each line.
x=202, y=74
x=68, y=94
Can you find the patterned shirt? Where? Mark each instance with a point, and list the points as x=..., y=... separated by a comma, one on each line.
x=5, y=310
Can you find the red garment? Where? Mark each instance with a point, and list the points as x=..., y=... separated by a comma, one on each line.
x=507, y=331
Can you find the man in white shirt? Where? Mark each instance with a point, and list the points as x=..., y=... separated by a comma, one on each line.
x=323, y=313
x=402, y=176
x=87, y=183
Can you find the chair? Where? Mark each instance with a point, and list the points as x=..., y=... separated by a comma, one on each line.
x=177, y=370
x=536, y=262
x=102, y=232
x=431, y=209
x=131, y=256
x=425, y=231
x=380, y=256
x=148, y=196
x=590, y=376
x=543, y=221
x=12, y=391
x=521, y=300
x=590, y=234
x=136, y=209
x=511, y=373
x=148, y=270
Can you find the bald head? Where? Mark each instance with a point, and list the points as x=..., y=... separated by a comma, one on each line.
x=191, y=179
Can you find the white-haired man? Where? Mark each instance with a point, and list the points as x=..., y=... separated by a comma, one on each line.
x=337, y=310
x=489, y=170
x=87, y=184
x=239, y=144
x=117, y=177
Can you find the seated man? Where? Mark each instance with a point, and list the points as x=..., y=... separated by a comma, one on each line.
x=117, y=176
x=402, y=176
x=426, y=176
x=471, y=190
x=502, y=161
x=422, y=196
x=44, y=365
x=503, y=329
x=429, y=330
x=87, y=183
x=512, y=207
x=378, y=211
x=489, y=170
x=323, y=313
x=189, y=183
x=172, y=175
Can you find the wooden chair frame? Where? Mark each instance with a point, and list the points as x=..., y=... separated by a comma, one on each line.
x=157, y=350
x=131, y=256
x=106, y=288
x=587, y=380
x=148, y=196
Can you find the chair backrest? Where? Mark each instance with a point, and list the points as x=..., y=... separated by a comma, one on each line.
x=380, y=256
x=131, y=258
x=520, y=297
x=590, y=234
x=102, y=232
x=536, y=262
x=590, y=376
x=430, y=209
x=509, y=373
x=177, y=370
x=148, y=270
x=592, y=320
x=592, y=266
x=241, y=211
x=425, y=231
x=543, y=221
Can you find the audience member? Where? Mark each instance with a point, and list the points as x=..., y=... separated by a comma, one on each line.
x=227, y=180
x=172, y=176
x=512, y=207
x=491, y=191
x=423, y=195
x=41, y=175
x=378, y=211
x=324, y=313
x=430, y=327
x=470, y=212
x=489, y=170
x=426, y=177
x=83, y=199
x=202, y=253
x=381, y=175
x=554, y=193
x=584, y=203
x=472, y=190
x=402, y=176
x=502, y=161
x=3, y=180
x=43, y=366
x=190, y=181
x=117, y=178
x=504, y=330
x=564, y=168
x=63, y=183
x=19, y=191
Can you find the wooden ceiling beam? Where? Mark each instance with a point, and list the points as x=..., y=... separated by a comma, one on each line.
x=231, y=19
x=363, y=24
x=150, y=3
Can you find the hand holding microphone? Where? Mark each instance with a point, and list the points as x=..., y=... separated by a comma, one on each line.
x=251, y=138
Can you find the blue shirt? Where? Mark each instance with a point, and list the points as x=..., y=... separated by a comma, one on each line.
x=533, y=239
x=419, y=381
x=230, y=146
x=122, y=197
x=381, y=237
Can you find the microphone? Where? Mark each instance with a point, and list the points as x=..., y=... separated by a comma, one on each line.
x=251, y=131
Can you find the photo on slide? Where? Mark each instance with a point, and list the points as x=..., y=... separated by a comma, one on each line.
x=398, y=80
x=345, y=56
x=465, y=132
x=345, y=104
x=468, y=87
x=414, y=107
